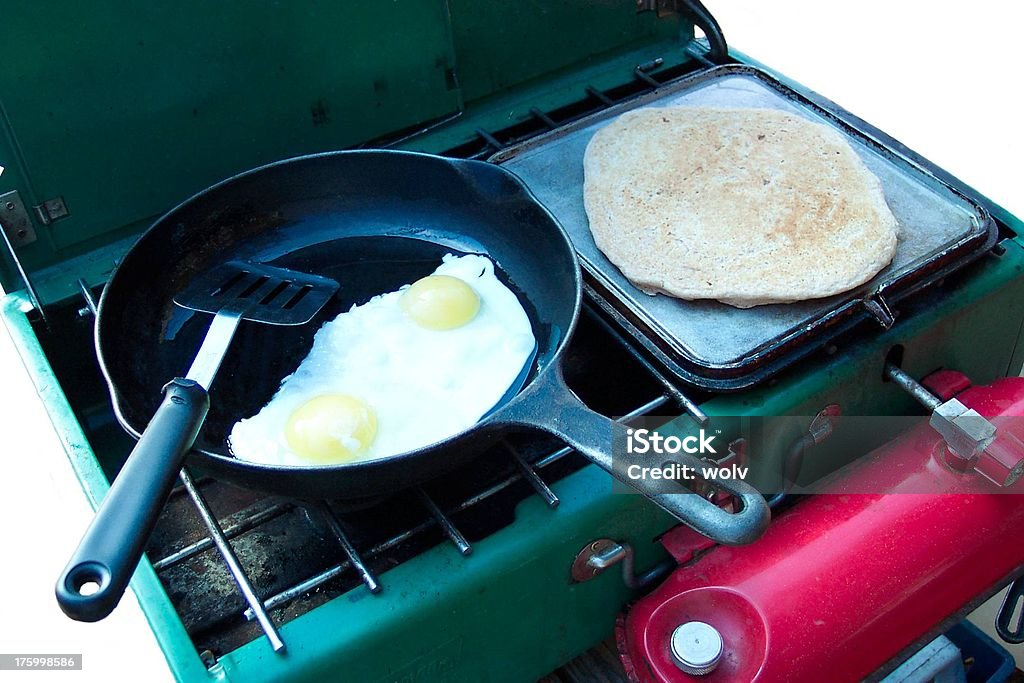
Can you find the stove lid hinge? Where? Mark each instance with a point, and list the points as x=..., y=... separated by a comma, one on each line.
x=17, y=231
x=15, y=219
x=51, y=210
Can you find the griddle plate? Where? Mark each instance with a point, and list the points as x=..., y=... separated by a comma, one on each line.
x=716, y=346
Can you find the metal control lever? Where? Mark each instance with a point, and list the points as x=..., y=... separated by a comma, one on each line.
x=973, y=441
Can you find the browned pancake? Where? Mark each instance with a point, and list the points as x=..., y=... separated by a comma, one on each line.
x=746, y=206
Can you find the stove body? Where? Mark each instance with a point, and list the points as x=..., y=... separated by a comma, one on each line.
x=509, y=609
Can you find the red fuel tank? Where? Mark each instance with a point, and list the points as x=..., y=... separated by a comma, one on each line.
x=843, y=583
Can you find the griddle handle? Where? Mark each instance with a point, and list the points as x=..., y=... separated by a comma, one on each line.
x=116, y=538
x=550, y=405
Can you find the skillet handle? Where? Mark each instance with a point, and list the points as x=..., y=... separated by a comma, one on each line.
x=115, y=540
x=550, y=405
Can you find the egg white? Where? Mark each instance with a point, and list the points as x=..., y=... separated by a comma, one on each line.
x=424, y=385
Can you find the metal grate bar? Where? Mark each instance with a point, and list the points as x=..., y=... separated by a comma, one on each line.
x=544, y=118
x=681, y=399
x=250, y=521
x=489, y=139
x=231, y=560
x=653, y=404
x=350, y=551
x=646, y=78
x=180, y=488
x=313, y=582
x=530, y=475
x=445, y=522
x=301, y=589
x=599, y=96
x=326, y=575
x=698, y=54
x=640, y=72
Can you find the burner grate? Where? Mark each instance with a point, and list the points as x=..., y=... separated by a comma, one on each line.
x=439, y=519
x=268, y=560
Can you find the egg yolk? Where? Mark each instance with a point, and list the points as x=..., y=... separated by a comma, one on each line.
x=440, y=302
x=332, y=428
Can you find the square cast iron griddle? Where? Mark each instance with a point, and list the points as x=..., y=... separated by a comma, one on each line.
x=715, y=346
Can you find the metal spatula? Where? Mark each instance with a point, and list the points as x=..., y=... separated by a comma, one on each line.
x=237, y=291
x=98, y=573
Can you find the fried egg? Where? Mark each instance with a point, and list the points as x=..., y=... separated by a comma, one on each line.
x=404, y=370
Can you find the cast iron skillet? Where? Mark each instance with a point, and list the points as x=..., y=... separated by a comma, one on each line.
x=373, y=221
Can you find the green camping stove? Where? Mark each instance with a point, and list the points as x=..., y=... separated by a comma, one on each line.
x=489, y=574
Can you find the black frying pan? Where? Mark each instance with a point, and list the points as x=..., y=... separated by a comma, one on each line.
x=373, y=221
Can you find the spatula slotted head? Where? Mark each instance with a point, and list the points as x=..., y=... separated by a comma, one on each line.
x=266, y=294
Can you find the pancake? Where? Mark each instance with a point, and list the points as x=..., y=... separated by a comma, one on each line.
x=746, y=206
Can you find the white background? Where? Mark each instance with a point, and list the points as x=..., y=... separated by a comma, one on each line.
x=945, y=81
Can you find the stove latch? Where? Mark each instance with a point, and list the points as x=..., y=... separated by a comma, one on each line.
x=973, y=441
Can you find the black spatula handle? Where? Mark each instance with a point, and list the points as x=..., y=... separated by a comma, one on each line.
x=115, y=540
